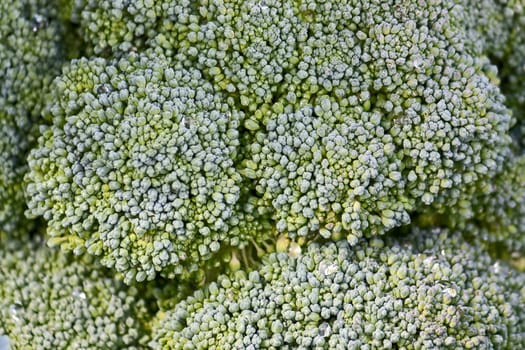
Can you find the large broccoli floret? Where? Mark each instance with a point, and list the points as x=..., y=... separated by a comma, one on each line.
x=430, y=290
x=328, y=168
x=138, y=166
x=30, y=56
x=360, y=114
x=49, y=300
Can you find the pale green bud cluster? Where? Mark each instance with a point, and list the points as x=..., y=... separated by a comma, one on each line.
x=137, y=166
x=381, y=112
x=495, y=211
x=429, y=290
x=30, y=57
x=117, y=26
x=50, y=300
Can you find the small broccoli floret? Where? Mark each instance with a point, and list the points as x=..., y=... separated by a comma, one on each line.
x=48, y=300
x=489, y=24
x=500, y=209
x=138, y=166
x=30, y=56
x=430, y=290
x=513, y=77
x=328, y=167
x=119, y=26
x=496, y=30
x=494, y=208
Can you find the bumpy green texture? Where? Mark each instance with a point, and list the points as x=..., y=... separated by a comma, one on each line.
x=513, y=76
x=495, y=211
x=241, y=174
x=49, y=300
x=260, y=119
x=490, y=23
x=13, y=147
x=383, y=108
x=430, y=290
x=137, y=166
x=499, y=208
x=495, y=207
x=496, y=29
x=328, y=168
x=30, y=56
x=112, y=27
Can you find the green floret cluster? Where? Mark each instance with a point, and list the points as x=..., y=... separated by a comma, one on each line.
x=262, y=174
x=279, y=131
x=145, y=154
x=359, y=113
x=428, y=290
x=496, y=210
x=30, y=57
x=498, y=26
x=114, y=27
x=48, y=300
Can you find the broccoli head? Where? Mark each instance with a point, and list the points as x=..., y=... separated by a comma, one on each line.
x=240, y=174
x=371, y=115
x=50, y=300
x=428, y=290
x=266, y=118
x=138, y=166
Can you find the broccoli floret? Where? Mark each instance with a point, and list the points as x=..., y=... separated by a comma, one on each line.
x=495, y=209
x=489, y=24
x=50, y=300
x=14, y=145
x=113, y=27
x=496, y=29
x=429, y=290
x=30, y=56
x=500, y=209
x=328, y=168
x=513, y=78
x=138, y=166
x=379, y=114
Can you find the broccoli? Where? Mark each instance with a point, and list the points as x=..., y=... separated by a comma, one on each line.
x=427, y=290
x=30, y=57
x=115, y=27
x=48, y=300
x=495, y=211
x=138, y=166
x=318, y=174
x=497, y=29
x=334, y=144
x=359, y=113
